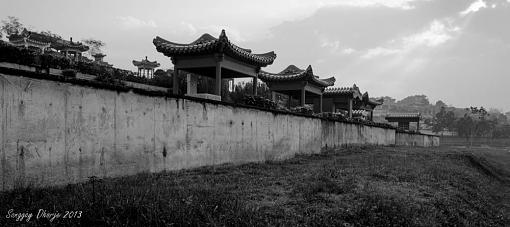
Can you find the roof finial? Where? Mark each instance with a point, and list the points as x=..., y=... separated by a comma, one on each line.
x=223, y=35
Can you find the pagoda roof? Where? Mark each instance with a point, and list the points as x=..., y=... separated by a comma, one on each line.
x=293, y=73
x=343, y=91
x=403, y=117
x=69, y=45
x=207, y=44
x=42, y=39
x=27, y=37
x=370, y=101
x=145, y=63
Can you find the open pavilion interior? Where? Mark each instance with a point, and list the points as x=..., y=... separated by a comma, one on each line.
x=404, y=119
x=298, y=84
x=341, y=99
x=351, y=101
x=217, y=58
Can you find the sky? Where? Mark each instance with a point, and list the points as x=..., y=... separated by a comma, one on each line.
x=457, y=51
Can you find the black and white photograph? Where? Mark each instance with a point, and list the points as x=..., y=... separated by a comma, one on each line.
x=255, y=113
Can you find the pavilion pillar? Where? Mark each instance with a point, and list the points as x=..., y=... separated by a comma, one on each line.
x=320, y=104
x=418, y=126
x=254, y=86
x=273, y=96
x=218, y=78
x=303, y=95
x=350, y=108
x=372, y=115
x=333, y=107
x=175, y=81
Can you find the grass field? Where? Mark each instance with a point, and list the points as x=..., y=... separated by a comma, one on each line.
x=356, y=186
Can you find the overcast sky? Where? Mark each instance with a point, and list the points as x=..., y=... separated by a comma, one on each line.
x=457, y=51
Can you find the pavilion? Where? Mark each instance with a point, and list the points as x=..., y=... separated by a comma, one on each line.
x=213, y=57
x=404, y=119
x=298, y=84
x=342, y=98
x=29, y=40
x=69, y=48
x=367, y=105
x=146, y=67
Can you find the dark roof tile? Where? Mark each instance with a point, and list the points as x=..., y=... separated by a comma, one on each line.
x=207, y=44
x=293, y=73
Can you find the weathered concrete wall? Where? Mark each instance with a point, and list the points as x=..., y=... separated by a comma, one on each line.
x=412, y=139
x=337, y=134
x=56, y=133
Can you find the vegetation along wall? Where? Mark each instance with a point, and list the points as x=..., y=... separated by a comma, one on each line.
x=55, y=133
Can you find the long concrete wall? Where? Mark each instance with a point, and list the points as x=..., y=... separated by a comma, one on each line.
x=413, y=139
x=55, y=133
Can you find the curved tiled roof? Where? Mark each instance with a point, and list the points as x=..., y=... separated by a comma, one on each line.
x=145, y=63
x=342, y=91
x=65, y=45
x=207, y=44
x=403, y=115
x=42, y=39
x=293, y=73
x=371, y=101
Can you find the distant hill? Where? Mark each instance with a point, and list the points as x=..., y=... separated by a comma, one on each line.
x=421, y=104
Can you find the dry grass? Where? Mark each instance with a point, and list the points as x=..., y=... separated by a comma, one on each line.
x=356, y=186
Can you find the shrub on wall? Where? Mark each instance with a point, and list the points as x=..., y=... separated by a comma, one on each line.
x=51, y=59
x=302, y=110
x=259, y=101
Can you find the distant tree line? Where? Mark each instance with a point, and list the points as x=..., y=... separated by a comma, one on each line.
x=476, y=122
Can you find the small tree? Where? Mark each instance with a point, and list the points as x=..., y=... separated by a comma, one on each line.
x=12, y=26
x=51, y=34
x=443, y=120
x=94, y=46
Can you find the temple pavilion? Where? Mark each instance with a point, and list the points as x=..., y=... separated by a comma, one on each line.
x=404, y=119
x=342, y=99
x=299, y=84
x=30, y=40
x=366, y=107
x=34, y=40
x=70, y=49
x=217, y=58
x=146, y=67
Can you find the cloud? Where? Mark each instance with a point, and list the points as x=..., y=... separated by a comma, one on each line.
x=436, y=34
x=334, y=47
x=380, y=51
x=348, y=51
x=130, y=22
x=401, y=4
x=187, y=27
x=331, y=45
x=474, y=7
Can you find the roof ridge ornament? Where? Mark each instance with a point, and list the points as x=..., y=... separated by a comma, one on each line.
x=223, y=41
